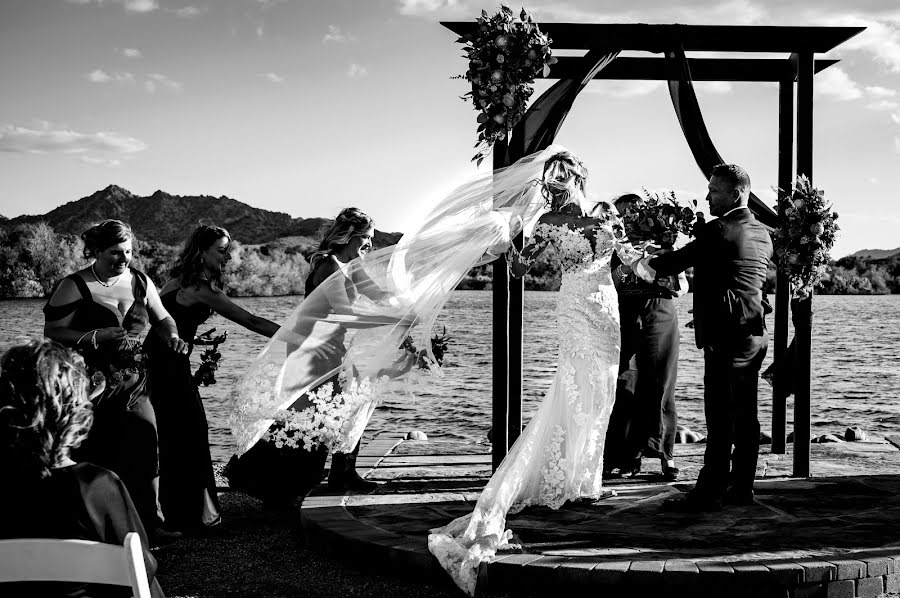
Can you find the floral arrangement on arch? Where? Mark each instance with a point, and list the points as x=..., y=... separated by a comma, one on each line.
x=804, y=236
x=505, y=55
x=660, y=218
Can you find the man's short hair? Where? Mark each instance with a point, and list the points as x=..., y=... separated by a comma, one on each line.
x=736, y=176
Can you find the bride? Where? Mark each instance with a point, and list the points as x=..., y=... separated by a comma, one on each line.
x=559, y=456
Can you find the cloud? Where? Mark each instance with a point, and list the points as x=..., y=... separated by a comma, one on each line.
x=896, y=118
x=273, y=77
x=112, y=162
x=266, y=4
x=260, y=30
x=883, y=105
x=424, y=7
x=190, y=11
x=336, y=35
x=718, y=87
x=140, y=6
x=880, y=39
x=897, y=144
x=156, y=80
x=23, y=140
x=837, y=84
x=101, y=76
x=624, y=89
x=130, y=52
x=356, y=70
x=877, y=92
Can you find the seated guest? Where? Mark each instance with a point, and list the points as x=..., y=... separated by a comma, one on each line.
x=44, y=414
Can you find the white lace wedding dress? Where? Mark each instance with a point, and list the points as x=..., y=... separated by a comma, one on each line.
x=559, y=456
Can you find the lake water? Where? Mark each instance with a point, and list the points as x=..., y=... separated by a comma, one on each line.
x=855, y=366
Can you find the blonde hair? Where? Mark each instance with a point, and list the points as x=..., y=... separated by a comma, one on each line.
x=44, y=410
x=351, y=222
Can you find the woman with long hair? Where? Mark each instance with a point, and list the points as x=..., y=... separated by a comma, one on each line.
x=45, y=414
x=284, y=463
x=102, y=311
x=193, y=293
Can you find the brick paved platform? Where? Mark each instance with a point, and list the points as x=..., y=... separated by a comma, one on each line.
x=836, y=534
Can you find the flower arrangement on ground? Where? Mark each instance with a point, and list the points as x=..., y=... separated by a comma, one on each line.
x=505, y=55
x=804, y=236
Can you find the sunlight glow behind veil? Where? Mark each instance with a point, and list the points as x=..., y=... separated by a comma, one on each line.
x=353, y=324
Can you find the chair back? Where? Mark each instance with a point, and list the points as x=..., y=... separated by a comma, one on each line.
x=81, y=561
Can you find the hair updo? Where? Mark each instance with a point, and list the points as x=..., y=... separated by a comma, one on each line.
x=44, y=410
x=188, y=268
x=563, y=163
x=105, y=234
x=351, y=222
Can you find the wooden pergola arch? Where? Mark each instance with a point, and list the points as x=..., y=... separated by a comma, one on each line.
x=542, y=121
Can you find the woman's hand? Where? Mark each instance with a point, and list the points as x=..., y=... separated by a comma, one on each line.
x=175, y=344
x=110, y=334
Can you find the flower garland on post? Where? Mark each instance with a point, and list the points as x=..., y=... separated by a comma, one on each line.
x=505, y=55
x=804, y=236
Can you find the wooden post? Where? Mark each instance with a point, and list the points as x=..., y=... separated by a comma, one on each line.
x=782, y=286
x=516, y=309
x=802, y=308
x=500, y=343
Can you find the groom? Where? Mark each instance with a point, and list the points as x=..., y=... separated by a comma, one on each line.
x=730, y=256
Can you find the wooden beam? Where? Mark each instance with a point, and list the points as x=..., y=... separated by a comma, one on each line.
x=516, y=310
x=702, y=69
x=782, y=284
x=696, y=38
x=802, y=308
x=500, y=344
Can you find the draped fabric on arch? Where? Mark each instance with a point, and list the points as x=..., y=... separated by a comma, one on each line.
x=543, y=120
x=687, y=109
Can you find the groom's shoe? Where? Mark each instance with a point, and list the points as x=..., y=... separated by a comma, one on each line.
x=693, y=502
x=733, y=496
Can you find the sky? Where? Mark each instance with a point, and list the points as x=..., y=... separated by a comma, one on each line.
x=309, y=106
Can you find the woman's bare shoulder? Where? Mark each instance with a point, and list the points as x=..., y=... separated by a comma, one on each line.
x=67, y=290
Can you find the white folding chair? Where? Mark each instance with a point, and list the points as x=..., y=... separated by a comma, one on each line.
x=79, y=561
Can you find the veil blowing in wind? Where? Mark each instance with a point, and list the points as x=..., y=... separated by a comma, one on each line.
x=322, y=374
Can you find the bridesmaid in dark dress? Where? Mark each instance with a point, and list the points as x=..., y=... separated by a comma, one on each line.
x=191, y=296
x=101, y=311
x=44, y=415
x=279, y=473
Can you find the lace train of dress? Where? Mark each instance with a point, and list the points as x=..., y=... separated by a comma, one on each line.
x=559, y=456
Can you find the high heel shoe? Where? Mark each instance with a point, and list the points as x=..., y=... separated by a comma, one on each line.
x=669, y=472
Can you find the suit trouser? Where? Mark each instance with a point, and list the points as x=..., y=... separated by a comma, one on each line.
x=655, y=417
x=730, y=380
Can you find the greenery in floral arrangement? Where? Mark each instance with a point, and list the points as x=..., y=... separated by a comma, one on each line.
x=209, y=359
x=659, y=219
x=439, y=345
x=505, y=54
x=804, y=236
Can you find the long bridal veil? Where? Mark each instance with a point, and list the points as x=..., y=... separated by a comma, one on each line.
x=321, y=375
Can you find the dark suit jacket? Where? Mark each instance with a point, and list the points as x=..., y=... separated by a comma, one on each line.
x=730, y=256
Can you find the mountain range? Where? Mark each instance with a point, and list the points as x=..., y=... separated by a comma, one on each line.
x=877, y=254
x=169, y=218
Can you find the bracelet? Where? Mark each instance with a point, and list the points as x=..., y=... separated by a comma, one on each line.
x=94, y=340
x=81, y=338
